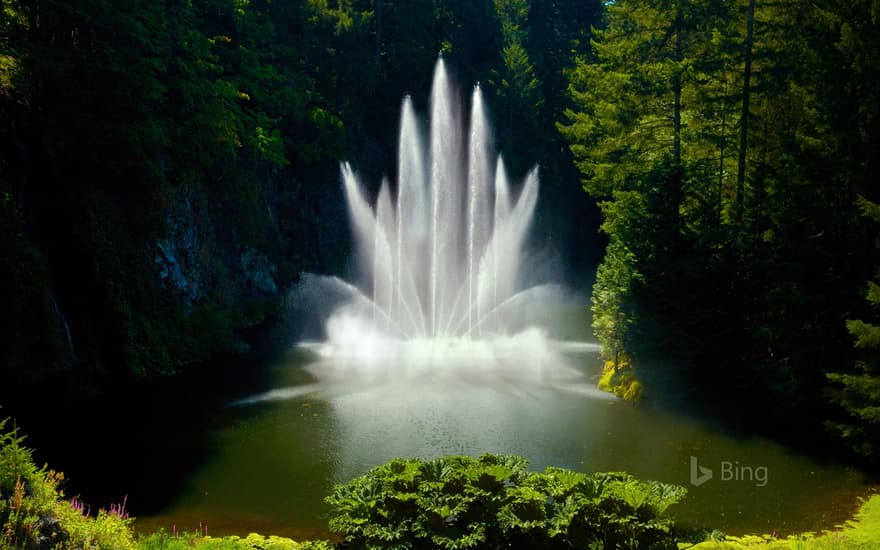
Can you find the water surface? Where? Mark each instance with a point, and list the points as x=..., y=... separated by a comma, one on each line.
x=276, y=455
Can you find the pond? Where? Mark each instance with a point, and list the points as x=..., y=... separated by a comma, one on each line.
x=275, y=455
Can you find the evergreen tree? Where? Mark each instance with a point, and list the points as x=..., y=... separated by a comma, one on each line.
x=858, y=391
x=722, y=138
x=517, y=89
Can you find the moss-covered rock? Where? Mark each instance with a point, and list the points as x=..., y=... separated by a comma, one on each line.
x=620, y=380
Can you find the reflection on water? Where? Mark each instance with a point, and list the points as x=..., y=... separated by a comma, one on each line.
x=277, y=454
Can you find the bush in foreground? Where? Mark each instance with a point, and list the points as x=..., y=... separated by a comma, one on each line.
x=494, y=502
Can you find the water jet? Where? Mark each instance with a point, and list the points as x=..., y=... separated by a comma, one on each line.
x=440, y=257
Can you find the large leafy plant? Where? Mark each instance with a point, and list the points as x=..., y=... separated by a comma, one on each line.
x=494, y=502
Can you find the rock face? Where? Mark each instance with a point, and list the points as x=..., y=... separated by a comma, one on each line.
x=176, y=254
x=51, y=533
x=219, y=269
x=258, y=271
x=198, y=261
x=110, y=297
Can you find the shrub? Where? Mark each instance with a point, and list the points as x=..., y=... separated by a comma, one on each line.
x=33, y=513
x=27, y=496
x=494, y=502
x=186, y=541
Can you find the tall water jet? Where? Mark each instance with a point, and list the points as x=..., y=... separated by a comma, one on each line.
x=412, y=228
x=440, y=249
x=445, y=198
x=479, y=175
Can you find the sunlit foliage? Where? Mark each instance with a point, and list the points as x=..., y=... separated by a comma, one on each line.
x=494, y=502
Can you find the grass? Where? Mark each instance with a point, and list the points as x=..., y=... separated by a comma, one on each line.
x=862, y=532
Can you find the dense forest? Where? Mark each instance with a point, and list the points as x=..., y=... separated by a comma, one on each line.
x=733, y=147
x=169, y=169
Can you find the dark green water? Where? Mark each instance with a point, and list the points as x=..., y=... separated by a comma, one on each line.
x=274, y=456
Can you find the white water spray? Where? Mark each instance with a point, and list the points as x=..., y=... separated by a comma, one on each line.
x=444, y=254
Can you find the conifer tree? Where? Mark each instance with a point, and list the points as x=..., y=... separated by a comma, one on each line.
x=858, y=391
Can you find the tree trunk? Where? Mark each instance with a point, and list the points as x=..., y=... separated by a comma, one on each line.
x=676, y=91
x=378, y=31
x=720, y=205
x=744, y=119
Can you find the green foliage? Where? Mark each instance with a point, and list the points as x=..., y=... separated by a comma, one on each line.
x=27, y=492
x=858, y=391
x=516, y=86
x=33, y=513
x=165, y=541
x=16, y=460
x=168, y=124
x=107, y=530
x=864, y=528
x=34, y=342
x=494, y=502
x=859, y=533
x=617, y=274
x=726, y=280
x=618, y=378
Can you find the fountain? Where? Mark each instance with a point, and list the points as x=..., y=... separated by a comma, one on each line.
x=440, y=257
x=441, y=261
x=429, y=278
